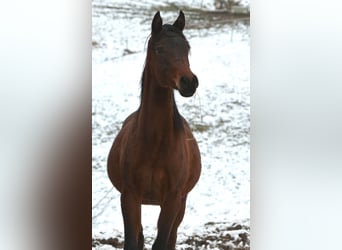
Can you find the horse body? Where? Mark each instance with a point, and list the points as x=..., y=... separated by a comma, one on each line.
x=155, y=158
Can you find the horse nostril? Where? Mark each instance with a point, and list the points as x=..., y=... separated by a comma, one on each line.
x=195, y=81
x=187, y=87
x=185, y=83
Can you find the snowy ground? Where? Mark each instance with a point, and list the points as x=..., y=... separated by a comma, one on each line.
x=217, y=213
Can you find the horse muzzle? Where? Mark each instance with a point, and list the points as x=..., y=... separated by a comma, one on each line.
x=187, y=87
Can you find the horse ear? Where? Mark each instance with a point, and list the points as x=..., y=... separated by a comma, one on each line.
x=180, y=22
x=157, y=23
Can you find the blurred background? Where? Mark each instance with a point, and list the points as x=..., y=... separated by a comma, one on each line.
x=46, y=123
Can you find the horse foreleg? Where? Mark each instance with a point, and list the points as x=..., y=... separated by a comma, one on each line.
x=167, y=217
x=131, y=212
x=141, y=239
x=179, y=218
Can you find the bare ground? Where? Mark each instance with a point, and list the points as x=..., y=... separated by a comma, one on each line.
x=215, y=236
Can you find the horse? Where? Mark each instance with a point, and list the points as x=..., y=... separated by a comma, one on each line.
x=155, y=159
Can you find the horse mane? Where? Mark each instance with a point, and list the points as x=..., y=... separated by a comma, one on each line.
x=177, y=118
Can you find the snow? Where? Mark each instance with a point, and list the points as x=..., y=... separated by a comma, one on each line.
x=218, y=114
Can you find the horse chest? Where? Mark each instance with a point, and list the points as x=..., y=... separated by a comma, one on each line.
x=154, y=176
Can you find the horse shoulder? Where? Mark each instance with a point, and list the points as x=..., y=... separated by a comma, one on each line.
x=194, y=157
x=117, y=150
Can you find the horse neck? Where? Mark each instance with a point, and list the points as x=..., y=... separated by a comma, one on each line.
x=158, y=118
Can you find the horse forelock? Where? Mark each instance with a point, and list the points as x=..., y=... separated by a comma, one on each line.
x=167, y=30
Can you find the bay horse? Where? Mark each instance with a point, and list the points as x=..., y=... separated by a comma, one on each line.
x=155, y=158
